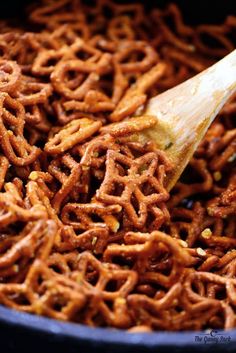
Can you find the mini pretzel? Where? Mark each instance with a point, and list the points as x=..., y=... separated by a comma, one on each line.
x=94, y=102
x=136, y=95
x=131, y=183
x=42, y=15
x=130, y=126
x=126, y=51
x=14, y=145
x=78, y=47
x=170, y=37
x=73, y=133
x=68, y=182
x=40, y=66
x=93, y=70
x=9, y=75
x=185, y=190
x=120, y=28
x=83, y=212
x=225, y=45
x=94, y=239
x=226, y=203
x=4, y=165
x=34, y=93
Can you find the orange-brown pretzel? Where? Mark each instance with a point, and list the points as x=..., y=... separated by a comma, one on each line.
x=127, y=179
x=136, y=95
x=70, y=135
x=9, y=75
x=14, y=145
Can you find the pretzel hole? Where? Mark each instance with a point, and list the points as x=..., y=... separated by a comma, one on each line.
x=19, y=298
x=71, y=75
x=123, y=261
x=56, y=268
x=142, y=169
x=92, y=275
x=96, y=218
x=132, y=79
x=221, y=293
x=58, y=302
x=106, y=84
x=50, y=62
x=117, y=188
x=134, y=55
x=9, y=109
x=183, y=233
x=112, y=285
x=2, y=51
x=82, y=54
x=187, y=203
x=147, y=189
x=134, y=202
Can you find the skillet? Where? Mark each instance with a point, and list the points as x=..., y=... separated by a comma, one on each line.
x=21, y=332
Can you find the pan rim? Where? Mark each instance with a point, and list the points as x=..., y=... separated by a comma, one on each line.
x=98, y=336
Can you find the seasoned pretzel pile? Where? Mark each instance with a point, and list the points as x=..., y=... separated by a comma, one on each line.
x=88, y=231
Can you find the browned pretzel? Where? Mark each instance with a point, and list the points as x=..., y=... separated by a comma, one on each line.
x=13, y=143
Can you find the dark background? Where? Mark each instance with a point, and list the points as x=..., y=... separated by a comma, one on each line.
x=195, y=11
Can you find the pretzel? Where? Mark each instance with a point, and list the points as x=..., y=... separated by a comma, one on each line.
x=4, y=164
x=136, y=95
x=185, y=190
x=10, y=75
x=151, y=244
x=85, y=221
x=51, y=292
x=129, y=49
x=190, y=223
x=77, y=47
x=68, y=182
x=11, y=212
x=93, y=70
x=125, y=281
x=120, y=28
x=130, y=184
x=62, y=115
x=226, y=203
x=194, y=63
x=34, y=93
x=158, y=17
x=51, y=11
x=94, y=102
x=25, y=247
x=73, y=133
x=218, y=33
x=14, y=145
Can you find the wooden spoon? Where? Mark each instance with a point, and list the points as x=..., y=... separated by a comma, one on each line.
x=184, y=113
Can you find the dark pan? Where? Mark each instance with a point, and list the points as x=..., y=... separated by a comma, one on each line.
x=25, y=333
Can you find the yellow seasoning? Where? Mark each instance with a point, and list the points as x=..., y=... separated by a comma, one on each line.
x=201, y=252
x=183, y=243
x=206, y=233
x=33, y=176
x=217, y=176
